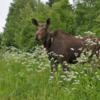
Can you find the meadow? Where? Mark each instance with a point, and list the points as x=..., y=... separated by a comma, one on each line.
x=27, y=76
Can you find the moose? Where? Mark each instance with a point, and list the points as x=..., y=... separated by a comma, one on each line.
x=61, y=43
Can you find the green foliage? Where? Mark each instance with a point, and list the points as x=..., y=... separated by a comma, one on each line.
x=77, y=19
x=86, y=13
x=96, y=28
x=19, y=30
x=1, y=37
x=27, y=76
x=50, y=2
x=24, y=33
x=14, y=19
x=63, y=16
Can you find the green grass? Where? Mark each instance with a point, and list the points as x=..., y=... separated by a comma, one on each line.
x=26, y=76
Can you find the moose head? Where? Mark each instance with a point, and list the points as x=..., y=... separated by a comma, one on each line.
x=42, y=29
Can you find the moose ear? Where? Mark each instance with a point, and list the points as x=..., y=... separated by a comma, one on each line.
x=35, y=22
x=48, y=21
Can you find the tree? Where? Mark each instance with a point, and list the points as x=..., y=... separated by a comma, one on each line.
x=1, y=37
x=86, y=13
x=24, y=37
x=51, y=2
x=13, y=20
x=62, y=16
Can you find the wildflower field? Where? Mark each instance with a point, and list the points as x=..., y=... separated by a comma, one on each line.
x=27, y=76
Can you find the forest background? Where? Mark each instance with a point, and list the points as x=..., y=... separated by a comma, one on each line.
x=82, y=16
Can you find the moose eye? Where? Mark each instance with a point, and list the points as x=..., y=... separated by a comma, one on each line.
x=45, y=28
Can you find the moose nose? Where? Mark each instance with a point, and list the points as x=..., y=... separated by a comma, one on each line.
x=36, y=37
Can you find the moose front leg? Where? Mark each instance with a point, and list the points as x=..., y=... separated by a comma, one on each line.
x=64, y=64
x=54, y=62
x=53, y=67
x=65, y=67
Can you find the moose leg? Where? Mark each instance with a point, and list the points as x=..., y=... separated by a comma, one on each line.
x=65, y=67
x=54, y=67
x=64, y=64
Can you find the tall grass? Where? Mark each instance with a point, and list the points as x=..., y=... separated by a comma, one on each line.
x=27, y=76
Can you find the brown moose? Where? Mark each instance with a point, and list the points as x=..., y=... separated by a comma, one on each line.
x=61, y=43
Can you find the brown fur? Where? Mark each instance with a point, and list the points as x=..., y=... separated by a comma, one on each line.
x=62, y=44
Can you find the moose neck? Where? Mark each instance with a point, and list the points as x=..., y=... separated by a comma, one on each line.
x=47, y=41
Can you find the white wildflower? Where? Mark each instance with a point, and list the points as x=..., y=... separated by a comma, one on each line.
x=74, y=88
x=80, y=49
x=96, y=72
x=97, y=76
x=82, y=72
x=63, y=76
x=85, y=68
x=85, y=74
x=65, y=79
x=52, y=59
x=69, y=79
x=61, y=56
x=66, y=72
x=44, y=49
x=74, y=77
x=96, y=51
x=81, y=37
x=98, y=42
x=72, y=49
x=56, y=61
x=61, y=81
x=76, y=82
x=64, y=62
x=76, y=54
x=29, y=69
x=76, y=72
x=51, y=77
x=77, y=37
